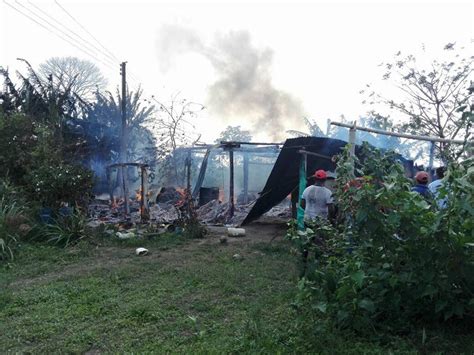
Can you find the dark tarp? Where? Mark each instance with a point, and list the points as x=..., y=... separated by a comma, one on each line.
x=284, y=176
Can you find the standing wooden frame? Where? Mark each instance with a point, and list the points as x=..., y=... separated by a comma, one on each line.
x=144, y=208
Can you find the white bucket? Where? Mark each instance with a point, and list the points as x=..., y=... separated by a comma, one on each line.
x=236, y=232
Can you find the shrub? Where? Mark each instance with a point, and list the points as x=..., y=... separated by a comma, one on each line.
x=12, y=220
x=188, y=220
x=396, y=259
x=65, y=232
x=54, y=183
x=18, y=139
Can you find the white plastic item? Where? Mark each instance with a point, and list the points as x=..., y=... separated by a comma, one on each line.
x=141, y=251
x=123, y=235
x=236, y=232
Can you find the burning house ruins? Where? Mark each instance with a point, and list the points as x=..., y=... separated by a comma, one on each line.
x=253, y=179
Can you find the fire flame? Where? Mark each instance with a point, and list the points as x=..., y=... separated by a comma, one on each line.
x=116, y=203
x=182, y=197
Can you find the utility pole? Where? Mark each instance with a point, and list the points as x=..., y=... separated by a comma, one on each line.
x=124, y=138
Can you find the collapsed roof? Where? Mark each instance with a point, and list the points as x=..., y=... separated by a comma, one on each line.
x=284, y=177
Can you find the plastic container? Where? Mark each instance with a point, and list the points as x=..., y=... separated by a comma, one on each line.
x=46, y=215
x=235, y=232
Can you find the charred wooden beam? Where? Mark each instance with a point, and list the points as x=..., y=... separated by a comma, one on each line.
x=231, y=183
x=144, y=209
x=246, y=178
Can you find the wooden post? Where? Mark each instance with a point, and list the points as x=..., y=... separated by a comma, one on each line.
x=231, y=183
x=246, y=178
x=188, y=173
x=294, y=203
x=352, y=144
x=201, y=175
x=124, y=138
x=126, y=195
x=430, y=164
x=301, y=188
x=403, y=135
x=110, y=184
x=144, y=210
x=352, y=138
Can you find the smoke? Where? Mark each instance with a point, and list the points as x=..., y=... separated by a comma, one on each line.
x=175, y=40
x=244, y=88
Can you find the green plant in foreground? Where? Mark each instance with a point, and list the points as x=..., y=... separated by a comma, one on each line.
x=12, y=220
x=67, y=231
x=8, y=236
x=396, y=260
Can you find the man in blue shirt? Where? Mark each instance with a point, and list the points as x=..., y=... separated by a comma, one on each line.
x=435, y=187
x=421, y=186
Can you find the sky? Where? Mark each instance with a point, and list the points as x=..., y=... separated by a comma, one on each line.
x=261, y=65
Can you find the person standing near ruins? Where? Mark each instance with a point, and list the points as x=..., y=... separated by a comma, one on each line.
x=317, y=199
x=421, y=186
x=317, y=203
x=435, y=187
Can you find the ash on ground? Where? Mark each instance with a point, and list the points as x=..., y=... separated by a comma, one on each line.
x=214, y=212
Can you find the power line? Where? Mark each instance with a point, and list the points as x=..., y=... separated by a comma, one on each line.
x=112, y=60
x=91, y=52
x=83, y=47
x=85, y=29
x=55, y=33
x=130, y=73
x=47, y=22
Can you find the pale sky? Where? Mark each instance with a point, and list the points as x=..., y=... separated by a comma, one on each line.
x=323, y=52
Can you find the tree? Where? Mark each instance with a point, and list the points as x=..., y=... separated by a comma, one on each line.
x=39, y=99
x=234, y=133
x=407, y=148
x=82, y=76
x=102, y=126
x=434, y=97
x=174, y=123
x=313, y=130
x=174, y=128
x=48, y=106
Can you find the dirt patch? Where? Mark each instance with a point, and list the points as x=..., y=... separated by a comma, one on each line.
x=254, y=233
x=111, y=257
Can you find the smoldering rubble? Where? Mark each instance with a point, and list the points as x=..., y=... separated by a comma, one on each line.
x=214, y=212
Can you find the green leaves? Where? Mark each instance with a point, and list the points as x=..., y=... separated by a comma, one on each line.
x=368, y=305
x=406, y=261
x=358, y=278
x=440, y=305
x=321, y=306
x=430, y=290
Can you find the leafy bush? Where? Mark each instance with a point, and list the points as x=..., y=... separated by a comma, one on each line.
x=13, y=220
x=54, y=183
x=32, y=158
x=395, y=259
x=66, y=231
x=188, y=220
x=18, y=138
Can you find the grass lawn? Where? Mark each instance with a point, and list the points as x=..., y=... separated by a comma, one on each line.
x=186, y=296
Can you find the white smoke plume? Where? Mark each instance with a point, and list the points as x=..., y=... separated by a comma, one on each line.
x=244, y=86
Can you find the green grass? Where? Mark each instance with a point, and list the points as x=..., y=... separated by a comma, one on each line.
x=187, y=296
